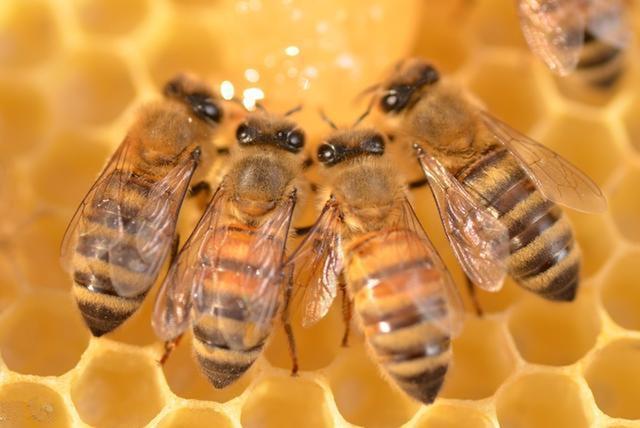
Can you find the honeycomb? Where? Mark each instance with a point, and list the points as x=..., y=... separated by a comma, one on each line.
x=72, y=75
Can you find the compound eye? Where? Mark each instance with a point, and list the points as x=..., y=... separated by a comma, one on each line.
x=211, y=111
x=390, y=101
x=374, y=145
x=245, y=134
x=327, y=154
x=295, y=140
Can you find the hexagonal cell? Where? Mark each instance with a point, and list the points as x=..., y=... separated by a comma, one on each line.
x=482, y=360
x=31, y=405
x=360, y=391
x=631, y=118
x=494, y=22
x=316, y=346
x=28, y=34
x=286, y=402
x=194, y=417
x=117, y=389
x=93, y=87
x=110, y=17
x=137, y=330
x=8, y=283
x=510, y=92
x=42, y=334
x=183, y=47
x=625, y=207
x=595, y=238
x=186, y=380
x=620, y=293
x=588, y=144
x=24, y=117
x=555, y=333
x=453, y=416
x=508, y=295
x=543, y=400
x=614, y=378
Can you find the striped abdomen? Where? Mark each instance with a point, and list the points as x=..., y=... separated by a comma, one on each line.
x=400, y=301
x=601, y=64
x=544, y=255
x=227, y=339
x=94, y=271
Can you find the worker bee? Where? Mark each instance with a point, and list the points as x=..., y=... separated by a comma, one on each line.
x=368, y=234
x=226, y=283
x=124, y=227
x=478, y=167
x=588, y=36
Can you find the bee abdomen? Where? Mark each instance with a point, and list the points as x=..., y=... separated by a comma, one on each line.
x=601, y=64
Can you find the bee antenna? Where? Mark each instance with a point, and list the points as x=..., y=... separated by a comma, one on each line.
x=238, y=101
x=296, y=109
x=365, y=114
x=326, y=119
x=366, y=91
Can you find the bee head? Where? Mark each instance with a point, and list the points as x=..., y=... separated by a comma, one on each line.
x=349, y=144
x=196, y=96
x=403, y=87
x=259, y=129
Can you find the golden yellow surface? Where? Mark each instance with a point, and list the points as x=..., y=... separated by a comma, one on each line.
x=73, y=73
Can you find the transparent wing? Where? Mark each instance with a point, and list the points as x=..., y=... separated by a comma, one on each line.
x=554, y=30
x=153, y=229
x=557, y=179
x=254, y=293
x=440, y=289
x=99, y=202
x=607, y=21
x=173, y=306
x=317, y=263
x=479, y=241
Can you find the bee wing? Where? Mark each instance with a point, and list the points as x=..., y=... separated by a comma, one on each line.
x=443, y=289
x=607, y=21
x=114, y=174
x=554, y=176
x=317, y=264
x=554, y=30
x=479, y=241
x=174, y=303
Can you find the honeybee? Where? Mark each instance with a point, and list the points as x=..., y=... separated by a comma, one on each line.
x=403, y=295
x=588, y=36
x=124, y=227
x=226, y=283
x=479, y=168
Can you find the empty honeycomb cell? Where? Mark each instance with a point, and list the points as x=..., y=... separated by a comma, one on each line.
x=137, y=330
x=588, y=144
x=184, y=47
x=185, y=379
x=42, y=335
x=631, y=118
x=595, y=238
x=453, y=416
x=195, y=418
x=493, y=22
x=23, y=118
x=316, y=346
x=620, y=293
x=92, y=87
x=613, y=375
x=284, y=402
x=543, y=400
x=625, y=206
x=110, y=17
x=31, y=405
x=555, y=333
x=117, y=389
x=525, y=105
x=8, y=283
x=72, y=162
x=28, y=33
x=360, y=390
x=482, y=360
x=499, y=301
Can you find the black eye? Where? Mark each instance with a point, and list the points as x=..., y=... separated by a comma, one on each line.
x=295, y=140
x=396, y=98
x=373, y=145
x=245, y=134
x=327, y=154
x=389, y=101
x=205, y=107
x=429, y=76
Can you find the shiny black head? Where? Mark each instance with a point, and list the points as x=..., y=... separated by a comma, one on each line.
x=349, y=144
x=196, y=96
x=279, y=133
x=408, y=79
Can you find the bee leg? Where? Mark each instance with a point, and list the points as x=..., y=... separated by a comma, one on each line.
x=474, y=297
x=199, y=188
x=416, y=184
x=286, y=324
x=169, y=346
x=174, y=249
x=347, y=311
